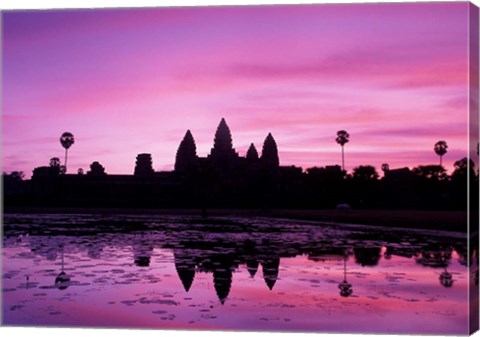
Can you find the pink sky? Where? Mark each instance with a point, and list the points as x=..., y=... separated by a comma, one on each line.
x=395, y=76
x=305, y=296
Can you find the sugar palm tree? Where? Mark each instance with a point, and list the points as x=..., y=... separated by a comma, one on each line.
x=440, y=149
x=342, y=138
x=66, y=140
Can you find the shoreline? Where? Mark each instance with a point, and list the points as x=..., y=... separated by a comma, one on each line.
x=453, y=221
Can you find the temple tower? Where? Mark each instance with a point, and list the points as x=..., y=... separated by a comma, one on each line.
x=270, y=271
x=186, y=158
x=143, y=165
x=252, y=154
x=222, y=281
x=185, y=266
x=270, y=153
x=223, y=154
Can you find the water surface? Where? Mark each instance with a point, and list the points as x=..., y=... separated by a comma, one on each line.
x=231, y=273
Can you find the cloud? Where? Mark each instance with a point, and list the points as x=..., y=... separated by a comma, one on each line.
x=377, y=67
x=139, y=79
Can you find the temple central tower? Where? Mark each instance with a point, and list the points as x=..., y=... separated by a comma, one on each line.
x=223, y=154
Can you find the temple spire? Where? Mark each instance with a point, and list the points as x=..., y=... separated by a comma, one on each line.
x=223, y=138
x=186, y=154
x=270, y=152
x=252, y=154
x=223, y=154
x=222, y=281
x=185, y=266
x=252, y=267
x=270, y=271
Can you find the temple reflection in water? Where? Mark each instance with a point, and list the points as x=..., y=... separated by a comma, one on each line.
x=221, y=247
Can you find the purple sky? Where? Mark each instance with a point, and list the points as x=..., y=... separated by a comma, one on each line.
x=395, y=76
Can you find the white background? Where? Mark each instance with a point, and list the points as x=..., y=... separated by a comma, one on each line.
x=45, y=4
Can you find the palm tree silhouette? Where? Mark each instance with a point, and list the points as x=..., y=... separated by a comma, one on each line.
x=66, y=140
x=342, y=138
x=440, y=149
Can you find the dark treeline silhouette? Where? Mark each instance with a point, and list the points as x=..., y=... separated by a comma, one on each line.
x=224, y=179
x=221, y=247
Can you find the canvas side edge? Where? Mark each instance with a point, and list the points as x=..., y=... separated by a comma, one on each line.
x=473, y=188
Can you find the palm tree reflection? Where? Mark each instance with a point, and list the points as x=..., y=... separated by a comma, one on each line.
x=62, y=281
x=446, y=279
x=344, y=286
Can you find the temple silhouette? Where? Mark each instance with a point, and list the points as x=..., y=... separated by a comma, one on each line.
x=224, y=179
x=223, y=158
x=221, y=179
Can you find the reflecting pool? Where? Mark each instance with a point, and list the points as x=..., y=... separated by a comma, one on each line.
x=232, y=273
